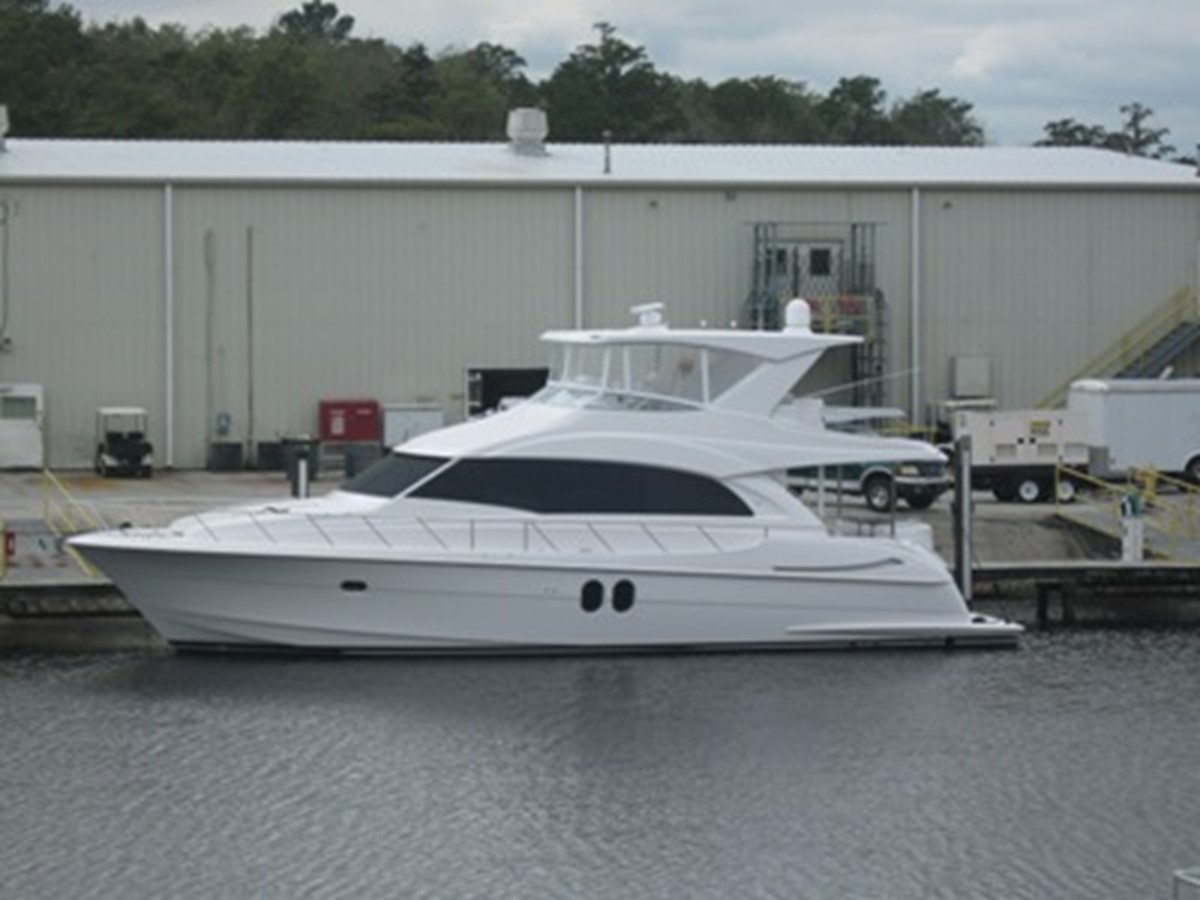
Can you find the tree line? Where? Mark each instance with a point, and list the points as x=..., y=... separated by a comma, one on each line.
x=309, y=77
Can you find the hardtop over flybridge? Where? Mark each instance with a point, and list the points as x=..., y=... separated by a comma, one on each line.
x=639, y=501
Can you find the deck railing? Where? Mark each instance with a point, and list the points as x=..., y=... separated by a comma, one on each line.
x=493, y=535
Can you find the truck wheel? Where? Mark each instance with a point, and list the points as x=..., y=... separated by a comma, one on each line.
x=1005, y=491
x=879, y=493
x=921, y=502
x=1066, y=490
x=1193, y=470
x=1030, y=490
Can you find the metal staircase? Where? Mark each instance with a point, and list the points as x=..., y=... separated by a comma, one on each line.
x=1145, y=350
x=1152, y=363
x=841, y=290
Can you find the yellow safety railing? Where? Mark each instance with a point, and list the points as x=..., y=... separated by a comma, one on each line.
x=1176, y=511
x=1173, y=515
x=909, y=430
x=844, y=314
x=64, y=516
x=1180, y=307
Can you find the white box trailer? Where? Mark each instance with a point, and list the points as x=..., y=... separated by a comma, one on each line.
x=1014, y=453
x=1141, y=423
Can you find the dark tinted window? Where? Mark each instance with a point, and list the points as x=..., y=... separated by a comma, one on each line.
x=392, y=475
x=564, y=486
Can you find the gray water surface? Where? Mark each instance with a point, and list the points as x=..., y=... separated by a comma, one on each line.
x=1067, y=768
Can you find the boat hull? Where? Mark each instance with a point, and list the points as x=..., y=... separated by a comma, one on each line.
x=219, y=600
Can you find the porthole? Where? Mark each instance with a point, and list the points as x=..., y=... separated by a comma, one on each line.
x=592, y=596
x=623, y=596
x=354, y=586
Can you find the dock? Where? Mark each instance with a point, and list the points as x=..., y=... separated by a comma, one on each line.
x=1070, y=580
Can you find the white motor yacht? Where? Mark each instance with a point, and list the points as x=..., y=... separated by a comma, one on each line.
x=639, y=501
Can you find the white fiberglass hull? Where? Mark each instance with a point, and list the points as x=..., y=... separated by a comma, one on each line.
x=305, y=600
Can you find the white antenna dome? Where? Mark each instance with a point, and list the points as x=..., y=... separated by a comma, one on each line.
x=797, y=316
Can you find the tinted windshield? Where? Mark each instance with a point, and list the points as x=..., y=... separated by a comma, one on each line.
x=393, y=475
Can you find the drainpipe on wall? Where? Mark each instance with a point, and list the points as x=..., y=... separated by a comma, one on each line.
x=914, y=299
x=169, y=316
x=579, y=257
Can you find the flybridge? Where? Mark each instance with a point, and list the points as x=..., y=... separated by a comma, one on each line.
x=651, y=367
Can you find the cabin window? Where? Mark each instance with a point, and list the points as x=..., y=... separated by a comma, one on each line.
x=726, y=368
x=393, y=475
x=579, y=487
x=663, y=370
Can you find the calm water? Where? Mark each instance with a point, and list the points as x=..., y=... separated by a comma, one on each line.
x=1068, y=768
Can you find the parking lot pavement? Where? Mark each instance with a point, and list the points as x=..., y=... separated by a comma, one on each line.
x=143, y=501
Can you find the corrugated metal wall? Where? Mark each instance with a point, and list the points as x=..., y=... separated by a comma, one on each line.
x=1040, y=282
x=85, y=282
x=393, y=292
x=349, y=293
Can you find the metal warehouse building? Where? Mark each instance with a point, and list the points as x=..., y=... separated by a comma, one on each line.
x=228, y=287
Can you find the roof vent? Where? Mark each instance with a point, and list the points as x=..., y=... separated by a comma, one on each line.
x=3, y=125
x=527, y=130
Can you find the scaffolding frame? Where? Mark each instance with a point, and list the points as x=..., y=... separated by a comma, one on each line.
x=838, y=281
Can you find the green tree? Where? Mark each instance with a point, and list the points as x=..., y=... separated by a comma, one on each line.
x=400, y=104
x=317, y=21
x=765, y=110
x=475, y=90
x=42, y=54
x=501, y=66
x=927, y=118
x=208, y=82
x=1070, y=133
x=610, y=86
x=853, y=112
x=467, y=105
x=1135, y=137
x=280, y=92
x=131, y=85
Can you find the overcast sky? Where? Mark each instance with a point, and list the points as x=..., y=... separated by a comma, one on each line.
x=1021, y=63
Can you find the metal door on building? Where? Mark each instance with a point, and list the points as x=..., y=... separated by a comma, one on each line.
x=22, y=444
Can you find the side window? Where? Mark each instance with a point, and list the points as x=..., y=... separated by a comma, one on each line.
x=392, y=475
x=566, y=487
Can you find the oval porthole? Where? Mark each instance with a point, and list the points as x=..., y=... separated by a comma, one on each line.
x=354, y=585
x=623, y=596
x=592, y=596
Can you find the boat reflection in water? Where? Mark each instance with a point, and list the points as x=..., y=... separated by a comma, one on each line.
x=639, y=501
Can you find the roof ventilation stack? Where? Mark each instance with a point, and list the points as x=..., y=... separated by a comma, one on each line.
x=527, y=130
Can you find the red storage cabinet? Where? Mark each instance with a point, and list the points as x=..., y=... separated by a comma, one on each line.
x=349, y=420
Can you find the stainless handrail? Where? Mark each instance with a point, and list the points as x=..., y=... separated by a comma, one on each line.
x=476, y=532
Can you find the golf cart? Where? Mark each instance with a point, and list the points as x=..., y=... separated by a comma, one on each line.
x=121, y=445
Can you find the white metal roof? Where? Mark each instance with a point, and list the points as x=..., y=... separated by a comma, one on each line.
x=632, y=165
